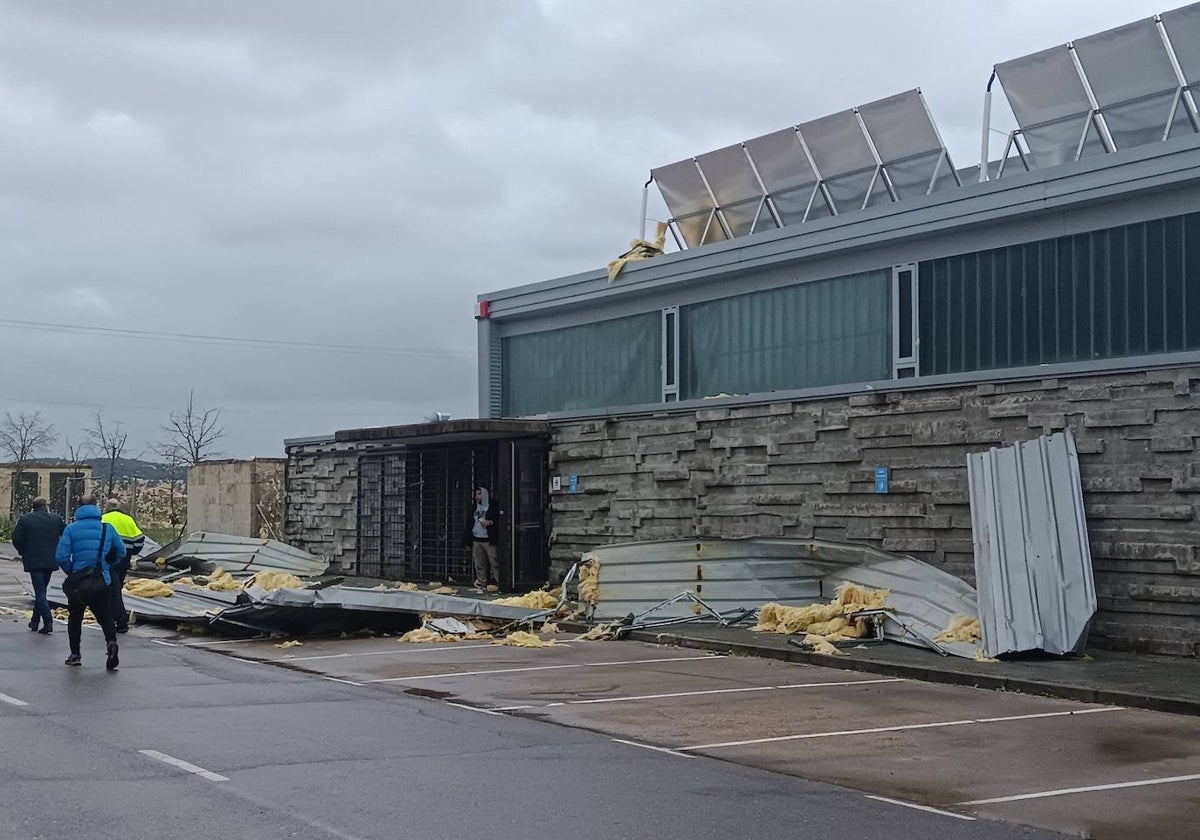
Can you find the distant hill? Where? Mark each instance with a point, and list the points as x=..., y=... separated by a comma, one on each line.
x=137, y=468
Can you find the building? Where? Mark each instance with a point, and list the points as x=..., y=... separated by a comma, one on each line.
x=848, y=306
x=754, y=383
x=60, y=482
x=242, y=498
x=394, y=502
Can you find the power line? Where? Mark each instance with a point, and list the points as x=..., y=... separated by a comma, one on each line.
x=236, y=341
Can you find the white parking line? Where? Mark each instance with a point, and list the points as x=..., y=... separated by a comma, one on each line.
x=12, y=701
x=928, y=808
x=347, y=682
x=441, y=648
x=479, y=709
x=546, y=668
x=1166, y=780
x=878, y=729
x=673, y=694
x=652, y=747
x=183, y=765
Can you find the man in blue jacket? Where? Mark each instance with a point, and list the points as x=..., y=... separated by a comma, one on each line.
x=89, y=542
x=35, y=538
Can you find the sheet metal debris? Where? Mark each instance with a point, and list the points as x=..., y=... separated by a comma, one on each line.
x=204, y=550
x=1033, y=564
x=730, y=579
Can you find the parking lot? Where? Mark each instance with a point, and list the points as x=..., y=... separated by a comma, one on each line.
x=1087, y=770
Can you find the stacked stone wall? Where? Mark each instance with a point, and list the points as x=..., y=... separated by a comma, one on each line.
x=806, y=469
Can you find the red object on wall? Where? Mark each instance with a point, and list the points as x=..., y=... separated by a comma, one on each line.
x=482, y=309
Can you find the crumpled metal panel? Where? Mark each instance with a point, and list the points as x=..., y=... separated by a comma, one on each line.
x=388, y=600
x=747, y=573
x=239, y=554
x=1033, y=564
x=188, y=604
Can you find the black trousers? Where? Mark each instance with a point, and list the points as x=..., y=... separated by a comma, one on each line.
x=116, y=603
x=99, y=605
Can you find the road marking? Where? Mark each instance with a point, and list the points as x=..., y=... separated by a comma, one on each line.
x=544, y=668
x=479, y=709
x=347, y=682
x=183, y=765
x=652, y=747
x=705, y=692
x=12, y=701
x=1166, y=780
x=928, y=808
x=878, y=729
x=442, y=647
x=211, y=642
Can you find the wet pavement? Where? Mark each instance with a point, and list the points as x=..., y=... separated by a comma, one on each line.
x=1085, y=769
x=327, y=725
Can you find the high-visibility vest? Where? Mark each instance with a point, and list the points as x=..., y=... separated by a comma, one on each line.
x=126, y=529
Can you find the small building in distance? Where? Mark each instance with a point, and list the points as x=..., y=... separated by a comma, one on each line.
x=242, y=498
x=61, y=482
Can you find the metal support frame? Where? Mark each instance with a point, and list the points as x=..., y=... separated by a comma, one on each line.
x=1095, y=114
x=880, y=171
x=1184, y=92
x=716, y=211
x=670, y=350
x=766, y=198
x=830, y=204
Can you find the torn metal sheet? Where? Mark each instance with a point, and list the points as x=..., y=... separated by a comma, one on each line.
x=187, y=604
x=741, y=574
x=238, y=554
x=1033, y=564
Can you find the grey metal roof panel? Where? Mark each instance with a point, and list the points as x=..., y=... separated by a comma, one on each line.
x=1033, y=564
x=746, y=573
x=240, y=554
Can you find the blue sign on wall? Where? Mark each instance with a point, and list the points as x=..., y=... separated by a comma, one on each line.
x=882, y=476
x=573, y=484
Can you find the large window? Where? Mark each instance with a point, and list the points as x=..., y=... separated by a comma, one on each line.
x=828, y=332
x=608, y=363
x=1123, y=291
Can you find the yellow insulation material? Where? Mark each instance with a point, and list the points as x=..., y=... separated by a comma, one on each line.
x=600, y=633
x=444, y=590
x=549, y=627
x=979, y=656
x=820, y=644
x=589, y=580
x=962, y=628
x=405, y=586
x=273, y=581
x=222, y=581
x=293, y=643
x=823, y=624
x=148, y=588
x=424, y=634
x=520, y=638
x=536, y=600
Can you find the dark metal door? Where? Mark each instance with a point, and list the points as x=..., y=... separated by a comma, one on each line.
x=527, y=520
x=381, y=515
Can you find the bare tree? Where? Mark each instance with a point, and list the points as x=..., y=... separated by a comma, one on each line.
x=77, y=453
x=21, y=438
x=194, y=431
x=109, y=443
x=173, y=458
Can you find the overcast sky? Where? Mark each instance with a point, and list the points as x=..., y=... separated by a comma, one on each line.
x=355, y=172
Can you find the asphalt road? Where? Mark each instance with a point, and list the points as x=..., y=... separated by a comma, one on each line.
x=184, y=743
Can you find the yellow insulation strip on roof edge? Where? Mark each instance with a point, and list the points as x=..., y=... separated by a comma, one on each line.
x=521, y=638
x=148, y=588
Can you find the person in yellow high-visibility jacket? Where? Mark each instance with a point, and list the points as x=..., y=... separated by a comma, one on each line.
x=133, y=538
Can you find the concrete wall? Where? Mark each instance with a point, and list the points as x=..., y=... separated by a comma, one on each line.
x=244, y=498
x=321, y=509
x=806, y=468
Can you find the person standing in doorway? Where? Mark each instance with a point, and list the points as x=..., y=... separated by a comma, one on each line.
x=35, y=538
x=133, y=538
x=89, y=542
x=483, y=533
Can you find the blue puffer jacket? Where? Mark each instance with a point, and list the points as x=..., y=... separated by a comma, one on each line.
x=79, y=546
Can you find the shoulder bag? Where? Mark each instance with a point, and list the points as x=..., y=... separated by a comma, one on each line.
x=87, y=584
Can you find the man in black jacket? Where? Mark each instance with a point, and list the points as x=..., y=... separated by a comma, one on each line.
x=36, y=538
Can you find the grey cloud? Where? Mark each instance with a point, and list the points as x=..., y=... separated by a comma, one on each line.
x=356, y=172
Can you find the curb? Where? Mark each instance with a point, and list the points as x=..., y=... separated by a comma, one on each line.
x=1084, y=694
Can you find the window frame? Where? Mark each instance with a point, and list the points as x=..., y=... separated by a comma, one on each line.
x=906, y=365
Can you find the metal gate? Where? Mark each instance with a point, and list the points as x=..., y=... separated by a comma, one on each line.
x=440, y=488
x=381, y=515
